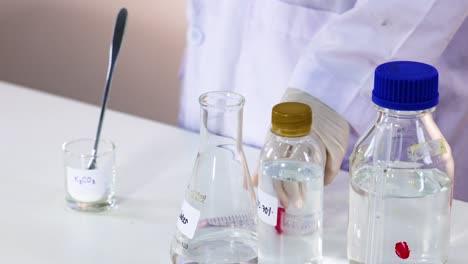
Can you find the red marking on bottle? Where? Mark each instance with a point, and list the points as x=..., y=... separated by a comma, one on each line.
x=402, y=250
x=279, y=220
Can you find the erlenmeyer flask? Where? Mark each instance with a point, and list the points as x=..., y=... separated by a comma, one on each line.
x=217, y=220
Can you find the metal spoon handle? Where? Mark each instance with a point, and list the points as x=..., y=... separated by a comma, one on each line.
x=114, y=53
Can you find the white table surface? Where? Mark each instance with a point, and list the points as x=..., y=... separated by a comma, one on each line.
x=154, y=162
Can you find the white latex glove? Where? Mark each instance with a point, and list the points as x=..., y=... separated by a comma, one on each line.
x=330, y=127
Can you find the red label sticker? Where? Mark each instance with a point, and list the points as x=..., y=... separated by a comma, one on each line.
x=402, y=250
x=279, y=220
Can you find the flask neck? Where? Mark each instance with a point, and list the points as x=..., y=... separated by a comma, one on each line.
x=221, y=127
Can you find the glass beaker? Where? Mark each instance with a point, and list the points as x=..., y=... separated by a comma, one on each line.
x=89, y=190
x=217, y=220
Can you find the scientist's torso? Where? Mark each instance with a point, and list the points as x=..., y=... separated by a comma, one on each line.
x=252, y=46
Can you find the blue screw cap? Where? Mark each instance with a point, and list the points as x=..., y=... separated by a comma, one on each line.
x=406, y=86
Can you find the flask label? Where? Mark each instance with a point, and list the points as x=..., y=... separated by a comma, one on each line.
x=87, y=185
x=267, y=207
x=188, y=220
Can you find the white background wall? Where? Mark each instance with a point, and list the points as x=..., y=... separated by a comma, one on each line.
x=61, y=46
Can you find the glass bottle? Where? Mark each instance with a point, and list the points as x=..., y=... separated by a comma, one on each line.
x=401, y=173
x=290, y=191
x=217, y=220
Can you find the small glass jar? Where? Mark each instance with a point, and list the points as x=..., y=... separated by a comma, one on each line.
x=87, y=189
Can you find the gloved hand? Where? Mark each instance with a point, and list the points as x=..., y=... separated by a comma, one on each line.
x=331, y=129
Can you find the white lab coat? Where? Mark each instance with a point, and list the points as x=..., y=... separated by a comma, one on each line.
x=328, y=48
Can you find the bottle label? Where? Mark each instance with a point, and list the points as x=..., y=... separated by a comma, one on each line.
x=87, y=185
x=188, y=220
x=267, y=207
x=301, y=224
x=427, y=149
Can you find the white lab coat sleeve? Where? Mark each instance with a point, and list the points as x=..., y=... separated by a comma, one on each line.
x=337, y=66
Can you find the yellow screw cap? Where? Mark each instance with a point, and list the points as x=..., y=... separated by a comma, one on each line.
x=291, y=119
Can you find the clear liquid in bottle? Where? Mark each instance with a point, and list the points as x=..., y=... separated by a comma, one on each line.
x=415, y=216
x=297, y=237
